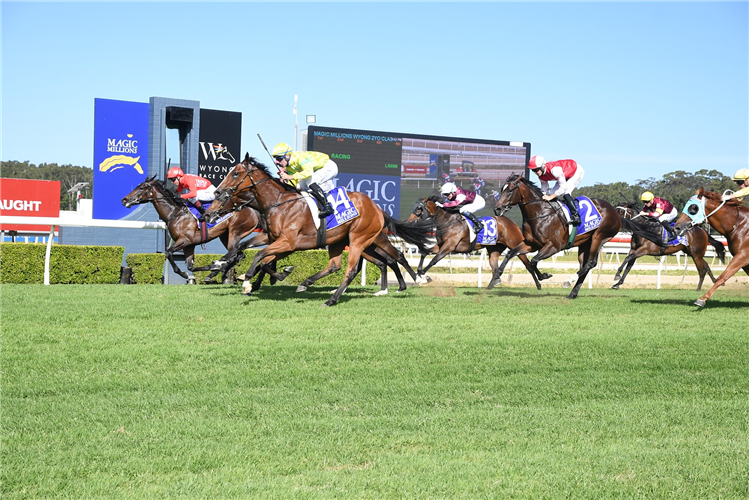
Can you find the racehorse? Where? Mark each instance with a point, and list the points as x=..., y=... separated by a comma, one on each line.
x=697, y=240
x=185, y=231
x=237, y=201
x=453, y=237
x=731, y=219
x=545, y=227
x=291, y=227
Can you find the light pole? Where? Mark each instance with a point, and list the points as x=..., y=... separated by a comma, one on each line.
x=296, y=124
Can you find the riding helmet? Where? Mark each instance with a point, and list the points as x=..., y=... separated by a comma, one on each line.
x=741, y=174
x=448, y=188
x=647, y=196
x=536, y=162
x=174, y=172
x=281, y=149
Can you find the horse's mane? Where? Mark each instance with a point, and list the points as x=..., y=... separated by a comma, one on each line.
x=434, y=198
x=712, y=195
x=531, y=185
x=261, y=166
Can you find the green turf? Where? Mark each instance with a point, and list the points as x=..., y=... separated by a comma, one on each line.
x=197, y=392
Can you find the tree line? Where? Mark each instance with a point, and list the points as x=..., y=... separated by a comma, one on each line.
x=68, y=175
x=676, y=187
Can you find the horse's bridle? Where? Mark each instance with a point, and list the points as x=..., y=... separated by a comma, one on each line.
x=232, y=191
x=523, y=203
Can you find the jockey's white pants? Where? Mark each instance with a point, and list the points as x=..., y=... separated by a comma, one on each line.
x=204, y=195
x=323, y=177
x=475, y=206
x=669, y=216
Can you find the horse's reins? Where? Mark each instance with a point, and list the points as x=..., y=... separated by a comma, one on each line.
x=524, y=203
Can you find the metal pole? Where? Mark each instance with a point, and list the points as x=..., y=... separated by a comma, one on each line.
x=296, y=125
x=47, y=254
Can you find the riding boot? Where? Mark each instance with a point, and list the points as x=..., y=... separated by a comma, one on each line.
x=667, y=226
x=573, y=210
x=317, y=192
x=199, y=206
x=477, y=224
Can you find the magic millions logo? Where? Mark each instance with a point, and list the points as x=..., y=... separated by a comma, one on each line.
x=122, y=159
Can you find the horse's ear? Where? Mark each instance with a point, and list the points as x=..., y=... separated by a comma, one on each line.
x=700, y=191
x=247, y=158
x=151, y=178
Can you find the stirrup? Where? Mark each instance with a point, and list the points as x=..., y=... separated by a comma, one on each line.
x=324, y=212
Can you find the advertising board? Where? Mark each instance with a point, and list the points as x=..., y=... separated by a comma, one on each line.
x=29, y=198
x=220, y=143
x=400, y=168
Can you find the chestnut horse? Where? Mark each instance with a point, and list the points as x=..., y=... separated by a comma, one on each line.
x=696, y=246
x=185, y=231
x=291, y=227
x=545, y=228
x=453, y=237
x=730, y=218
x=240, y=199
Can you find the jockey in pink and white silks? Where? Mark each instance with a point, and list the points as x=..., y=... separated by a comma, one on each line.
x=567, y=173
x=467, y=201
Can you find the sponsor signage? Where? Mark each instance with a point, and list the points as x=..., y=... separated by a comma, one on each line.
x=29, y=198
x=220, y=143
x=120, y=154
x=384, y=190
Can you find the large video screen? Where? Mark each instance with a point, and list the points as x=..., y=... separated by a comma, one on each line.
x=396, y=169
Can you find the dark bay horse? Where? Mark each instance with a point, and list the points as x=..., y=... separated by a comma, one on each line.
x=453, y=237
x=545, y=228
x=729, y=218
x=184, y=229
x=696, y=246
x=291, y=227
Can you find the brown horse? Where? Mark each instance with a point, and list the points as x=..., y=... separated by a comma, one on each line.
x=729, y=218
x=291, y=227
x=453, y=237
x=373, y=253
x=696, y=246
x=184, y=229
x=545, y=227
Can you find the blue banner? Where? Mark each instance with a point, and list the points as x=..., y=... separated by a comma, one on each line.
x=120, y=154
x=385, y=190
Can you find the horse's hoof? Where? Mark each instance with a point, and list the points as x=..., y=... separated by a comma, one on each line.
x=191, y=281
x=207, y=279
x=494, y=283
x=216, y=266
x=327, y=304
x=699, y=303
x=301, y=288
x=615, y=287
x=287, y=270
x=381, y=292
x=544, y=276
x=240, y=277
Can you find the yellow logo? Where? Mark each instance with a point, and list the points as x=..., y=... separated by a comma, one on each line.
x=120, y=161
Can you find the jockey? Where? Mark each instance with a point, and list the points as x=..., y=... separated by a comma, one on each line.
x=193, y=188
x=468, y=201
x=568, y=175
x=741, y=177
x=307, y=171
x=660, y=209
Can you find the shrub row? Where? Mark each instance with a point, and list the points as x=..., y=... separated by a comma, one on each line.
x=24, y=263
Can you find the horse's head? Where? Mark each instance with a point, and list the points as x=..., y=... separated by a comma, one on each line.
x=143, y=193
x=628, y=209
x=510, y=194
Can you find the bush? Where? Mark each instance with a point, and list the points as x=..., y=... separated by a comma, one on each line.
x=69, y=264
x=305, y=264
x=147, y=268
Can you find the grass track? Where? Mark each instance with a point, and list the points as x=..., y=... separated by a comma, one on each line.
x=197, y=392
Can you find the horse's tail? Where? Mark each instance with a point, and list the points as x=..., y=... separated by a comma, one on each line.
x=720, y=250
x=418, y=232
x=642, y=230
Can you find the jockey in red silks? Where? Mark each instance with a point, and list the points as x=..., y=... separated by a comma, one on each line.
x=567, y=173
x=468, y=201
x=193, y=188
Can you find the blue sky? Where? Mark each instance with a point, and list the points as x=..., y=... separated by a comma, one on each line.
x=630, y=90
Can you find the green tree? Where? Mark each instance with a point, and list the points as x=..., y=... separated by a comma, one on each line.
x=68, y=175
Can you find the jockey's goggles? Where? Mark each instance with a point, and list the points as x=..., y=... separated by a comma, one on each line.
x=279, y=158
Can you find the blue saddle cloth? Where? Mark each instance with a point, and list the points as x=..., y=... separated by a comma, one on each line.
x=590, y=217
x=196, y=214
x=679, y=240
x=343, y=208
x=488, y=235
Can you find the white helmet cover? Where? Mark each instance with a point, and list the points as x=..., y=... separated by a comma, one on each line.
x=448, y=188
